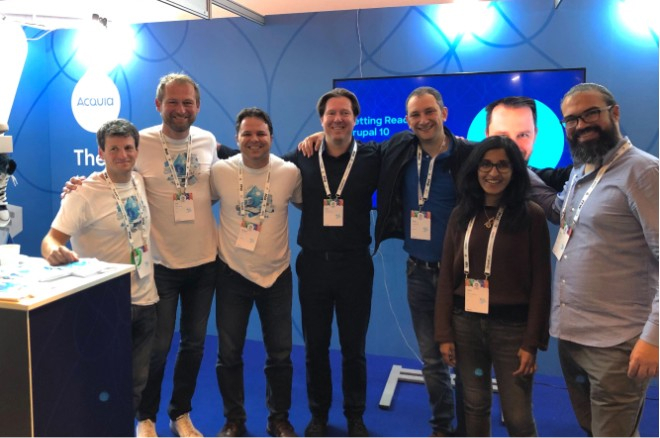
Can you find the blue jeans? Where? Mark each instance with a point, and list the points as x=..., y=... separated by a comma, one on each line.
x=605, y=400
x=194, y=287
x=422, y=287
x=236, y=296
x=483, y=343
x=143, y=329
x=340, y=283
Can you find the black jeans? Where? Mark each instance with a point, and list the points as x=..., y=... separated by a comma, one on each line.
x=341, y=284
x=236, y=296
x=143, y=329
x=194, y=287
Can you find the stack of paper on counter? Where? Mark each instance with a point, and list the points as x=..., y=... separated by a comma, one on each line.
x=33, y=275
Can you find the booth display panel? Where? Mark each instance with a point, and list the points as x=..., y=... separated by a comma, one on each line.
x=65, y=359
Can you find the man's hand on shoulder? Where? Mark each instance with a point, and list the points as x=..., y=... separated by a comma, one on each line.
x=71, y=185
x=311, y=144
x=643, y=361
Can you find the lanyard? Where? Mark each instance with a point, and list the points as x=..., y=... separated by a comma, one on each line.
x=423, y=197
x=170, y=163
x=591, y=188
x=122, y=209
x=347, y=171
x=491, y=243
x=241, y=192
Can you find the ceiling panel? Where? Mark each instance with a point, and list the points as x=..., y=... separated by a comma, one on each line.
x=52, y=14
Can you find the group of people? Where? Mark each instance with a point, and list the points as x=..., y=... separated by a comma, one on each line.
x=472, y=218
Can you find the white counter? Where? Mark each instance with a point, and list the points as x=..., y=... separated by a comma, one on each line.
x=22, y=286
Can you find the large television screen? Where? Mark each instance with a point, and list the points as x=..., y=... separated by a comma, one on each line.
x=382, y=102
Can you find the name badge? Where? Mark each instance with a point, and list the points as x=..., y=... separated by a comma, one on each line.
x=476, y=295
x=420, y=225
x=138, y=241
x=184, y=209
x=141, y=259
x=333, y=212
x=562, y=240
x=248, y=234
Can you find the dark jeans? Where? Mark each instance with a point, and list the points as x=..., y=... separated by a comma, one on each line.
x=194, y=287
x=422, y=287
x=143, y=329
x=236, y=296
x=483, y=343
x=330, y=283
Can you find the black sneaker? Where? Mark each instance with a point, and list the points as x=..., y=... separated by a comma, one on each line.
x=356, y=427
x=317, y=427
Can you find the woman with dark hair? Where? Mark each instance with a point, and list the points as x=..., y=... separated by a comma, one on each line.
x=493, y=300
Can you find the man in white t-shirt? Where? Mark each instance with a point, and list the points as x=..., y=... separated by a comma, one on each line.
x=175, y=161
x=255, y=189
x=184, y=249
x=108, y=219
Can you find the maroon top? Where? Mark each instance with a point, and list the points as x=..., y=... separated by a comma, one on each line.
x=520, y=275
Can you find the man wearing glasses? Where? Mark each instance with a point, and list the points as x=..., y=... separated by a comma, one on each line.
x=416, y=194
x=605, y=290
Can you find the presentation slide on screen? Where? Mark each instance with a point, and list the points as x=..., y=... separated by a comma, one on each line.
x=382, y=102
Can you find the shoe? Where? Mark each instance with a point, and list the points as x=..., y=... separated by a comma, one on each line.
x=280, y=428
x=233, y=428
x=145, y=428
x=183, y=427
x=356, y=427
x=317, y=427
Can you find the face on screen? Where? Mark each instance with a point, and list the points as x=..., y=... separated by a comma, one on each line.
x=517, y=123
x=426, y=118
x=468, y=94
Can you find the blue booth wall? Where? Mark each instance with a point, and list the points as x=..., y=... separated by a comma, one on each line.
x=287, y=64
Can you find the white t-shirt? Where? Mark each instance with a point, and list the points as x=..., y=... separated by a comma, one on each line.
x=179, y=245
x=91, y=216
x=271, y=255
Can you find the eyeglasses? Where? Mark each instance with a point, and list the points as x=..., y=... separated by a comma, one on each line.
x=589, y=116
x=501, y=166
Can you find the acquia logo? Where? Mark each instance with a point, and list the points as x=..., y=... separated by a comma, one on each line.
x=95, y=100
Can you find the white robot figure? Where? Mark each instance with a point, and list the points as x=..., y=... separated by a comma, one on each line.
x=7, y=168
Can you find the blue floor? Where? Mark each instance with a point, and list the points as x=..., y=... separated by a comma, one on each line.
x=407, y=416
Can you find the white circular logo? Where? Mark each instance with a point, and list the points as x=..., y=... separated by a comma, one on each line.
x=94, y=101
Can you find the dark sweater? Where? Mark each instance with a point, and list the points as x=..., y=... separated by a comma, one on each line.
x=519, y=280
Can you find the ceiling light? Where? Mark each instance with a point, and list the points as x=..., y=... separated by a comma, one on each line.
x=13, y=61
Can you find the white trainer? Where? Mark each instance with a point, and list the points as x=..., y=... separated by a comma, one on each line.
x=183, y=427
x=145, y=428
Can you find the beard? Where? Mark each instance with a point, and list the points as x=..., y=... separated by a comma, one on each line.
x=592, y=151
x=179, y=124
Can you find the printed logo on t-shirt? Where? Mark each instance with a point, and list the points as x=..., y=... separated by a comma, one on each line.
x=253, y=199
x=132, y=207
x=180, y=168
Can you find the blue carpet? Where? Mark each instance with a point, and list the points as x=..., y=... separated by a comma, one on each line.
x=407, y=417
